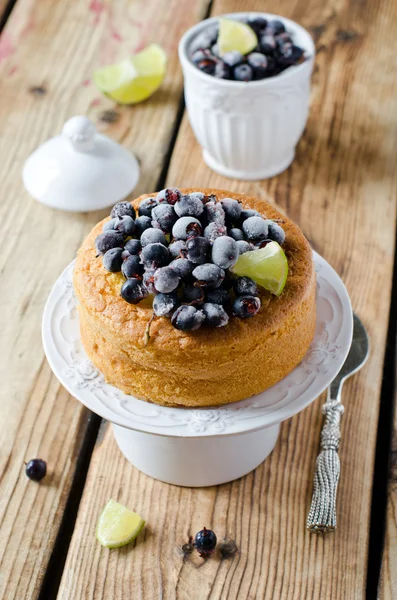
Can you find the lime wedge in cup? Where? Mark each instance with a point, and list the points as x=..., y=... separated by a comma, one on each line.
x=268, y=267
x=133, y=79
x=118, y=526
x=234, y=35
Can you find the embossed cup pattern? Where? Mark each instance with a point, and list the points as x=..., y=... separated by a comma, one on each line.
x=248, y=130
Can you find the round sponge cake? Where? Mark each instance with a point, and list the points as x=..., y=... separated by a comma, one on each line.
x=207, y=367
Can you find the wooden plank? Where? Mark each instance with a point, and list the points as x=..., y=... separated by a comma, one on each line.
x=344, y=165
x=53, y=48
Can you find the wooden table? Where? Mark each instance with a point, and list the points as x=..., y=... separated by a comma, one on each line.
x=341, y=189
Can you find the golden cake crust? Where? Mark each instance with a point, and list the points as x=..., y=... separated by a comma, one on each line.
x=210, y=366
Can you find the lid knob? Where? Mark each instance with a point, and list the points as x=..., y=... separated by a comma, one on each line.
x=80, y=131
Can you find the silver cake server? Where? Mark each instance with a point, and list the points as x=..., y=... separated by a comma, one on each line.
x=322, y=514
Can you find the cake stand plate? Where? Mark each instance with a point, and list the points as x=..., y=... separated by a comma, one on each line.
x=199, y=447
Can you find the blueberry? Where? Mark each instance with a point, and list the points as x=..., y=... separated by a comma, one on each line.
x=146, y=207
x=205, y=39
x=268, y=44
x=148, y=280
x=215, y=314
x=207, y=66
x=107, y=240
x=153, y=236
x=112, y=260
x=155, y=255
x=246, y=306
x=186, y=227
x=255, y=228
x=165, y=280
x=245, y=286
x=276, y=233
x=283, y=38
x=36, y=469
x=209, y=275
x=200, y=55
x=259, y=64
x=122, y=209
x=109, y=225
x=289, y=55
x=217, y=296
x=225, y=252
x=165, y=304
x=168, y=196
x=164, y=217
x=243, y=246
x=182, y=267
x=197, y=249
x=133, y=246
x=243, y=73
x=275, y=27
x=125, y=254
x=193, y=294
x=215, y=50
x=142, y=223
x=222, y=70
x=258, y=24
x=178, y=249
x=233, y=58
x=187, y=318
x=232, y=209
x=214, y=230
x=199, y=196
x=205, y=542
x=133, y=291
x=215, y=212
x=126, y=225
x=245, y=214
x=132, y=267
x=236, y=234
x=189, y=206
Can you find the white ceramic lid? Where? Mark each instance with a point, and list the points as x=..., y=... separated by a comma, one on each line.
x=80, y=170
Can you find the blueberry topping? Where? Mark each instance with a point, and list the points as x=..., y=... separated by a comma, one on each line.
x=215, y=315
x=193, y=294
x=214, y=230
x=109, y=225
x=36, y=469
x=246, y=306
x=209, y=275
x=236, y=234
x=182, y=267
x=142, y=223
x=205, y=542
x=164, y=217
x=187, y=318
x=166, y=280
x=168, y=196
x=153, y=236
x=165, y=304
x=215, y=212
x=112, y=260
x=122, y=209
x=107, y=240
x=255, y=228
x=217, y=296
x=186, y=227
x=146, y=207
x=197, y=249
x=132, y=267
x=224, y=252
x=133, y=246
x=243, y=246
x=189, y=206
x=245, y=286
x=233, y=58
x=232, y=209
x=155, y=255
x=243, y=73
x=133, y=291
x=276, y=233
x=178, y=249
x=125, y=225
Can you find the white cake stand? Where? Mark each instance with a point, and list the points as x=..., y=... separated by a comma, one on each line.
x=199, y=447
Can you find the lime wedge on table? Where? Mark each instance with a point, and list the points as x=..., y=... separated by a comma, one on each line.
x=268, y=267
x=133, y=79
x=117, y=525
x=234, y=35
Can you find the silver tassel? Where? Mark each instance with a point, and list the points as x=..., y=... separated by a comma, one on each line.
x=322, y=515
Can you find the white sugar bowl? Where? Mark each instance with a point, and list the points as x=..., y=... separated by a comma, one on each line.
x=80, y=170
x=248, y=130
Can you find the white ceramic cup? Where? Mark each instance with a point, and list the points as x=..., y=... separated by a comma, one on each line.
x=248, y=130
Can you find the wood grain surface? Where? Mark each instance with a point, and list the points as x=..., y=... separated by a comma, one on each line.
x=342, y=190
x=48, y=51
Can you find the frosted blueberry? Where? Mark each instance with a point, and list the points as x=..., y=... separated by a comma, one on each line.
x=153, y=236
x=187, y=318
x=245, y=286
x=225, y=252
x=189, y=206
x=246, y=306
x=217, y=296
x=107, y=240
x=182, y=267
x=209, y=275
x=123, y=208
x=197, y=249
x=236, y=234
x=233, y=58
x=178, y=249
x=133, y=291
x=125, y=224
x=142, y=223
x=112, y=260
x=155, y=255
x=165, y=304
x=276, y=233
x=193, y=294
x=232, y=209
x=133, y=246
x=214, y=230
x=243, y=246
x=163, y=217
x=109, y=225
x=255, y=228
x=215, y=212
x=132, y=267
x=186, y=227
x=146, y=207
x=215, y=314
x=166, y=280
x=168, y=196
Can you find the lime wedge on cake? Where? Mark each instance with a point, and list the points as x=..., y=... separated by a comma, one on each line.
x=268, y=267
x=234, y=35
x=133, y=79
x=117, y=525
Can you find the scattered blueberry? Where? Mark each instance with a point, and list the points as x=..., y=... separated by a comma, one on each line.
x=182, y=266
x=109, y=225
x=217, y=296
x=153, y=236
x=215, y=314
x=132, y=267
x=189, y=206
x=205, y=542
x=214, y=230
x=142, y=223
x=166, y=280
x=133, y=246
x=187, y=318
x=197, y=249
x=168, y=196
x=243, y=73
x=245, y=286
x=255, y=228
x=232, y=209
x=243, y=246
x=155, y=255
x=276, y=233
x=233, y=58
x=215, y=212
x=209, y=275
x=236, y=234
x=225, y=252
x=122, y=209
x=186, y=227
x=193, y=294
x=112, y=260
x=146, y=207
x=36, y=469
x=133, y=291
x=165, y=304
x=246, y=306
x=125, y=225
x=164, y=217
x=107, y=240
x=178, y=249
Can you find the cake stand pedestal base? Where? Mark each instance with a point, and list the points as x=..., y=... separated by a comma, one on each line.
x=196, y=462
